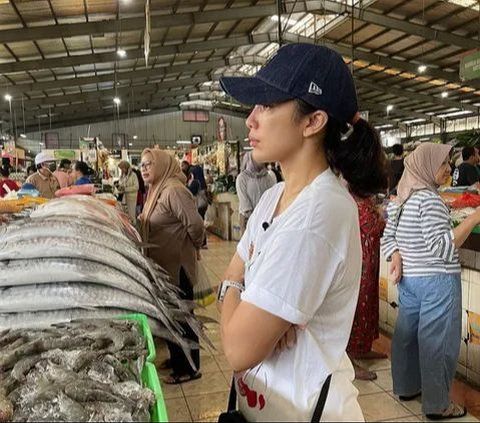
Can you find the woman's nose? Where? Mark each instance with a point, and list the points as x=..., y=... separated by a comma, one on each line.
x=251, y=121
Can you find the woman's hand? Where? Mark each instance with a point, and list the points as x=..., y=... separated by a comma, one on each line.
x=396, y=267
x=288, y=340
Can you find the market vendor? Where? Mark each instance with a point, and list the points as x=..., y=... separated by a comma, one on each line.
x=63, y=173
x=6, y=184
x=43, y=180
x=81, y=173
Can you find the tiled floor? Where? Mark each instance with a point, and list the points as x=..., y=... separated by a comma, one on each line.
x=204, y=399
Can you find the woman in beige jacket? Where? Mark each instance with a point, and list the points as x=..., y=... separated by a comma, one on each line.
x=171, y=222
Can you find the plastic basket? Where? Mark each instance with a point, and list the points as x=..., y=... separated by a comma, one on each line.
x=150, y=379
x=146, y=332
x=149, y=373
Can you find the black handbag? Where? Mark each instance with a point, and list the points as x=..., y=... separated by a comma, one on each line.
x=234, y=416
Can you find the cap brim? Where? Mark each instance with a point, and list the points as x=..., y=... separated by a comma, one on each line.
x=252, y=90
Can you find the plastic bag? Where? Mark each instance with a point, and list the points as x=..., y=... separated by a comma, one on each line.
x=210, y=216
x=203, y=293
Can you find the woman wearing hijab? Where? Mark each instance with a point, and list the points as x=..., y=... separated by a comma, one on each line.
x=128, y=185
x=251, y=183
x=423, y=249
x=171, y=222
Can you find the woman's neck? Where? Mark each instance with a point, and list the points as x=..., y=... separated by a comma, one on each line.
x=301, y=170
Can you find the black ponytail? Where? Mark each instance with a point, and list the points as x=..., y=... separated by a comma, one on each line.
x=359, y=157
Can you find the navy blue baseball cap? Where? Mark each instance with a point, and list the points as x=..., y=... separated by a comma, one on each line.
x=315, y=74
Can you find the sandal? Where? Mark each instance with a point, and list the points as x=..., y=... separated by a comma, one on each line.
x=174, y=379
x=405, y=398
x=165, y=364
x=364, y=374
x=453, y=411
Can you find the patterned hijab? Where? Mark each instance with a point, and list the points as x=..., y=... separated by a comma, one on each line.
x=165, y=171
x=420, y=169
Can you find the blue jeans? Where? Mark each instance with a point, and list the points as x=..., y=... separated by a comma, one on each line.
x=427, y=337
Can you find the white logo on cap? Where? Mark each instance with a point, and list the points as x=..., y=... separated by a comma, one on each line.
x=314, y=89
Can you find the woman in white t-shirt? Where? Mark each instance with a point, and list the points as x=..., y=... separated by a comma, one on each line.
x=290, y=291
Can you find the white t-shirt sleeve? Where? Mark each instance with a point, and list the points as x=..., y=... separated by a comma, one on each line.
x=295, y=276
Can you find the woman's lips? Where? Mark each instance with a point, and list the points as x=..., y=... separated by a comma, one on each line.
x=253, y=142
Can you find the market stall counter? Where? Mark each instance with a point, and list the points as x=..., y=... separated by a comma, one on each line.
x=226, y=221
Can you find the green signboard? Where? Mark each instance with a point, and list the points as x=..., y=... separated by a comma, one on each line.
x=470, y=67
x=64, y=154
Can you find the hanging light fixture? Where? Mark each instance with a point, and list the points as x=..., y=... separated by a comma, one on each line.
x=422, y=69
x=121, y=53
x=117, y=101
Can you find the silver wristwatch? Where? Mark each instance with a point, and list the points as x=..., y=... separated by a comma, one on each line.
x=222, y=290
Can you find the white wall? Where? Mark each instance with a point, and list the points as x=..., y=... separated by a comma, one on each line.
x=163, y=129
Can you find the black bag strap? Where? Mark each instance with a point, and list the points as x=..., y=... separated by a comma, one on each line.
x=232, y=398
x=317, y=414
x=322, y=399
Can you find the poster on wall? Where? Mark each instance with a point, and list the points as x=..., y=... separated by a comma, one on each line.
x=52, y=141
x=221, y=129
x=473, y=327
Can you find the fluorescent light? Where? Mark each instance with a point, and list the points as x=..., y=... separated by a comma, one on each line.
x=8, y=97
x=144, y=110
x=23, y=136
x=134, y=137
x=445, y=94
x=121, y=53
x=117, y=101
x=184, y=142
x=247, y=148
x=422, y=68
x=389, y=108
x=290, y=21
x=130, y=144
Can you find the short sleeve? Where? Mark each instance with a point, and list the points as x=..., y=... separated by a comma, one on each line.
x=294, y=277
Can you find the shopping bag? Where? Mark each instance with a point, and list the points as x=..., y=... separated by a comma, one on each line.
x=210, y=216
x=203, y=293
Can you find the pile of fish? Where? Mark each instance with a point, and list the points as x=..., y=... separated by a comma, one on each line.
x=79, y=371
x=78, y=258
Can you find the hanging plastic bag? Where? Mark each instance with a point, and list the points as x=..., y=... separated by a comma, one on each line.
x=210, y=216
x=203, y=293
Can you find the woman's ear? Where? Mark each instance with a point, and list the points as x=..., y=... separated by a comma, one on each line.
x=315, y=123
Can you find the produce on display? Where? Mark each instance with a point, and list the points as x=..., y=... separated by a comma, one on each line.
x=87, y=370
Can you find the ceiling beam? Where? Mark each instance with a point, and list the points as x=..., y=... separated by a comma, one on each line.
x=132, y=75
x=393, y=23
x=137, y=90
x=400, y=112
x=134, y=53
x=376, y=86
x=138, y=23
x=377, y=59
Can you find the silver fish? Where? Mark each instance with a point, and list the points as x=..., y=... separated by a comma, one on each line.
x=61, y=247
x=52, y=270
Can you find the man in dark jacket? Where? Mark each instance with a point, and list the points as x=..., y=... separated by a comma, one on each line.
x=466, y=174
x=396, y=168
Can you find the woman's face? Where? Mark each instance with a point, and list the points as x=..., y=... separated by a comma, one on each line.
x=274, y=133
x=146, y=167
x=443, y=172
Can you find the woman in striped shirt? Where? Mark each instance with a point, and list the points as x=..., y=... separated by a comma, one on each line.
x=423, y=249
